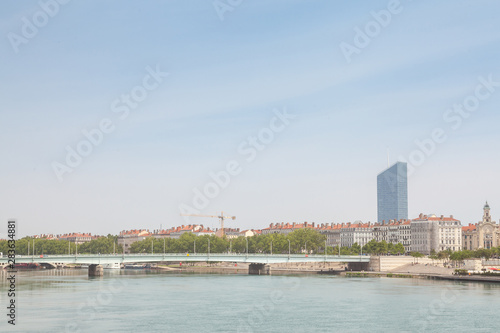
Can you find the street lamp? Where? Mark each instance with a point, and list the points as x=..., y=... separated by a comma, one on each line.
x=209, y=247
x=271, y=247
x=246, y=238
x=306, y=247
x=194, y=246
x=163, y=245
x=289, y=249
x=230, y=246
x=152, y=251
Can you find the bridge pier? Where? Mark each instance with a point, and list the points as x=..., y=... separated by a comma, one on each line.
x=259, y=269
x=96, y=270
x=358, y=266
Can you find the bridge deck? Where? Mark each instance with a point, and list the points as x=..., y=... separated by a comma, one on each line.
x=204, y=257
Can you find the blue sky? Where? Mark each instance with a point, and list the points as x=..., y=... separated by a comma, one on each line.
x=225, y=78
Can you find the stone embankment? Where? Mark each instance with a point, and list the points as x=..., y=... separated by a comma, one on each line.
x=242, y=268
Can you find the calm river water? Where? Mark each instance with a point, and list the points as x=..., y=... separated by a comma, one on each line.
x=69, y=301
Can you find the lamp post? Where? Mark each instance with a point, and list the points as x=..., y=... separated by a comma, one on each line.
x=230, y=246
x=246, y=238
x=209, y=248
x=194, y=247
x=306, y=247
x=325, y=251
x=271, y=247
x=163, y=246
x=289, y=247
x=152, y=250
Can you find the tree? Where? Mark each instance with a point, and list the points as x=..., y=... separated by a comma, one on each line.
x=370, y=247
x=399, y=249
x=417, y=255
x=315, y=240
x=102, y=245
x=483, y=253
x=382, y=247
x=355, y=248
x=443, y=255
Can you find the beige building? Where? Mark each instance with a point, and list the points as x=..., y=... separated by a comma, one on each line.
x=127, y=237
x=332, y=233
x=393, y=232
x=77, y=237
x=482, y=235
x=286, y=228
x=250, y=233
x=435, y=233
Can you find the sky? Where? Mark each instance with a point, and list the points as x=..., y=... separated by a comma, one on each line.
x=122, y=115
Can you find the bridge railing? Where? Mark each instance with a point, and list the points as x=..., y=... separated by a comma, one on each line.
x=189, y=254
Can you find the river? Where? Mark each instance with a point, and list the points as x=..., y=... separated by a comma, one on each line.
x=139, y=301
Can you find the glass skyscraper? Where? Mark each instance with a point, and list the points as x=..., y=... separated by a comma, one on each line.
x=392, y=193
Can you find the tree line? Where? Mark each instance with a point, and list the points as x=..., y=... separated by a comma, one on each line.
x=103, y=245
x=466, y=254
x=306, y=241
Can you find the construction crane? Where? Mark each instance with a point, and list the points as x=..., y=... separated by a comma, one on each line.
x=221, y=217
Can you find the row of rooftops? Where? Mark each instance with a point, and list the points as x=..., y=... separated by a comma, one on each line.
x=200, y=229
x=471, y=227
x=330, y=226
x=194, y=228
x=66, y=236
x=357, y=224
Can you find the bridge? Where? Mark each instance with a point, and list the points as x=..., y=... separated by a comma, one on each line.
x=258, y=262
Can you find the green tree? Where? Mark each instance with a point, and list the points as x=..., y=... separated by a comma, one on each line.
x=315, y=241
x=399, y=249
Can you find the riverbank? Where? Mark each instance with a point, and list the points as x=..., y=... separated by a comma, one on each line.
x=462, y=278
x=242, y=268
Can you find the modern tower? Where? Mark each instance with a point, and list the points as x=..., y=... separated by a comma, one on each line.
x=392, y=193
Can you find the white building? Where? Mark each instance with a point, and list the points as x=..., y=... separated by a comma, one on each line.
x=355, y=233
x=435, y=233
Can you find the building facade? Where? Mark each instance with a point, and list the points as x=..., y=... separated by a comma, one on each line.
x=482, y=235
x=430, y=233
x=360, y=233
x=128, y=237
x=394, y=232
x=77, y=237
x=392, y=193
x=286, y=228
